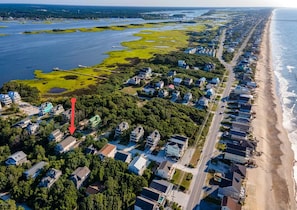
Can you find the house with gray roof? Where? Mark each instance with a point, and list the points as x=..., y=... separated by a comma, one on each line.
x=153, y=139
x=34, y=171
x=123, y=156
x=65, y=145
x=142, y=203
x=56, y=136
x=165, y=170
x=137, y=134
x=79, y=176
x=50, y=178
x=138, y=165
x=16, y=159
x=120, y=129
x=162, y=186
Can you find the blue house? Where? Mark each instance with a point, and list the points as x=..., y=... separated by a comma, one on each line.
x=209, y=93
x=177, y=81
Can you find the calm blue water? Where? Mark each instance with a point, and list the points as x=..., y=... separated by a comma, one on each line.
x=284, y=50
x=21, y=54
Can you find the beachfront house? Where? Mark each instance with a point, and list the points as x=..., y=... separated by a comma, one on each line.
x=34, y=171
x=138, y=165
x=108, y=151
x=45, y=108
x=237, y=153
x=120, y=129
x=15, y=97
x=137, y=134
x=79, y=176
x=166, y=170
x=16, y=158
x=66, y=145
x=229, y=203
x=230, y=186
x=50, y=178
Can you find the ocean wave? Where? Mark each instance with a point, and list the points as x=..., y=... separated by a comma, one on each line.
x=290, y=68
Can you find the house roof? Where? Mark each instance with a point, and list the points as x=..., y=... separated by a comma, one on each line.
x=230, y=203
x=122, y=126
x=67, y=141
x=240, y=169
x=161, y=185
x=81, y=172
x=235, y=152
x=145, y=204
x=139, y=162
x=94, y=188
x=107, y=149
x=177, y=80
x=165, y=166
x=236, y=147
x=151, y=194
x=122, y=155
x=56, y=133
x=232, y=179
x=34, y=169
x=18, y=156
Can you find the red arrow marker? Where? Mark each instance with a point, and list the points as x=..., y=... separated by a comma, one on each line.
x=72, y=127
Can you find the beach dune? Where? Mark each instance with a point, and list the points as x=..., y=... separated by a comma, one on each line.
x=271, y=185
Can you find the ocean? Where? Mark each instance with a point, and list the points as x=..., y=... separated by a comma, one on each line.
x=283, y=40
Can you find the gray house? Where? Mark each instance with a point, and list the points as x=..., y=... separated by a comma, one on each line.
x=34, y=171
x=79, y=176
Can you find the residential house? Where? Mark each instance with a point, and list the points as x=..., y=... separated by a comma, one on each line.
x=79, y=176
x=236, y=154
x=142, y=203
x=209, y=93
x=202, y=102
x=171, y=73
x=109, y=150
x=5, y=99
x=229, y=203
x=244, y=115
x=83, y=124
x=251, y=84
x=160, y=84
x=241, y=90
x=177, y=81
x=244, y=99
x=245, y=108
x=15, y=97
x=91, y=150
x=240, y=169
x=50, y=178
x=94, y=122
x=66, y=145
x=134, y=81
x=181, y=63
x=66, y=115
x=238, y=135
x=137, y=134
x=176, y=146
x=163, y=93
x=145, y=73
x=165, y=170
x=32, y=128
x=16, y=158
x=188, y=81
x=34, y=171
x=215, y=81
x=24, y=123
x=231, y=186
x=56, y=136
x=153, y=195
x=57, y=110
x=243, y=127
x=123, y=156
x=153, y=139
x=45, y=108
x=175, y=95
x=138, y=165
x=94, y=188
x=162, y=186
x=209, y=67
x=187, y=98
x=120, y=129
x=190, y=50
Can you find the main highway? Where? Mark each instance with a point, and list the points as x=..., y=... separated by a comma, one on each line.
x=211, y=139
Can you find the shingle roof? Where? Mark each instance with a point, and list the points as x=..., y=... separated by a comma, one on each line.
x=106, y=150
x=161, y=185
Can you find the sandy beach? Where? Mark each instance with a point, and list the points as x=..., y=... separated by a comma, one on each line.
x=271, y=185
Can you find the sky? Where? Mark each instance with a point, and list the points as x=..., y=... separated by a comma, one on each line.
x=171, y=3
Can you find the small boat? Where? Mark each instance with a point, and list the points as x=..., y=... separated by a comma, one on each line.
x=56, y=69
x=82, y=66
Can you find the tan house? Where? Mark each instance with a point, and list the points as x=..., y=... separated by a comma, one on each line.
x=165, y=170
x=153, y=139
x=66, y=145
x=79, y=176
x=120, y=129
x=137, y=134
x=109, y=150
x=56, y=136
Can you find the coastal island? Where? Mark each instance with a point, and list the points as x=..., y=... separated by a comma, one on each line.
x=185, y=117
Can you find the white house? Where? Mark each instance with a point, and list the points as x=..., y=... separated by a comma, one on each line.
x=15, y=97
x=153, y=139
x=109, y=150
x=165, y=170
x=57, y=110
x=120, y=129
x=138, y=165
x=176, y=146
x=16, y=159
x=32, y=128
x=137, y=134
x=5, y=99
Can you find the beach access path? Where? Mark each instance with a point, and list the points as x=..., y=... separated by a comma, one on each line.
x=270, y=185
x=212, y=137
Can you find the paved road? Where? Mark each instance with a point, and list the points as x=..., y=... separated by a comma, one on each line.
x=211, y=139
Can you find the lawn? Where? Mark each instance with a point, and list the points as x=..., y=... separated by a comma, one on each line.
x=131, y=90
x=182, y=178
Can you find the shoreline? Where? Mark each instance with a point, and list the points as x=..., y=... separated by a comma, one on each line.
x=274, y=173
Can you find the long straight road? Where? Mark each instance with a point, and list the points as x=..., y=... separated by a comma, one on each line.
x=211, y=139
